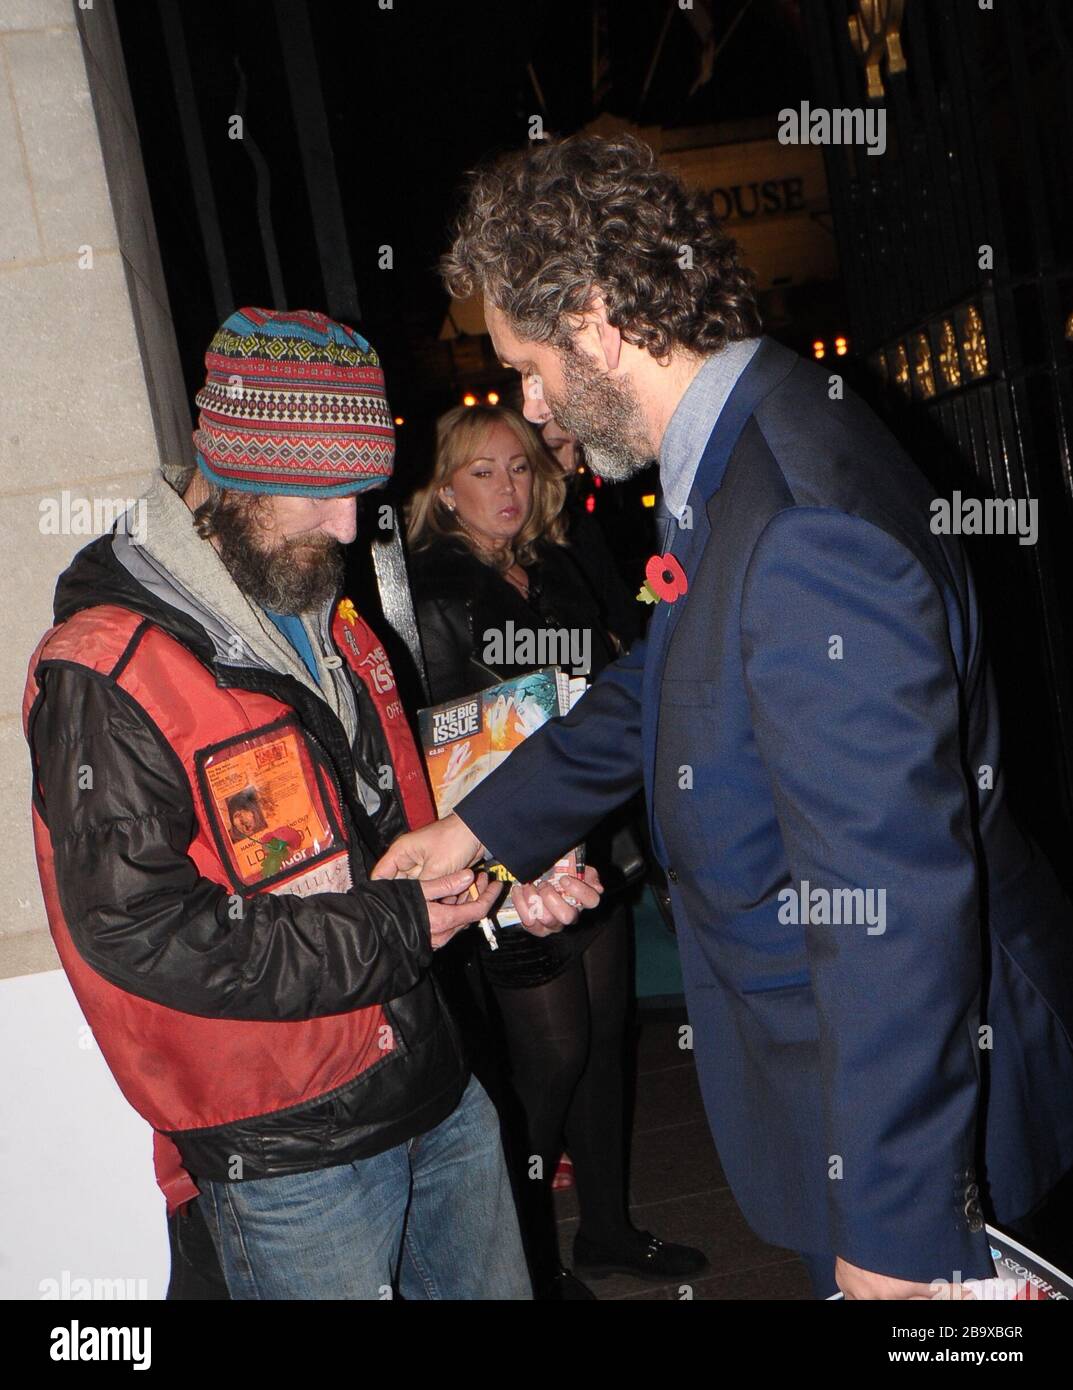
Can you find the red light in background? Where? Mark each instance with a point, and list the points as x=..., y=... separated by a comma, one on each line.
x=590, y=502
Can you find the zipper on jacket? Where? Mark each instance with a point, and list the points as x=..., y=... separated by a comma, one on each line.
x=343, y=808
x=398, y=1036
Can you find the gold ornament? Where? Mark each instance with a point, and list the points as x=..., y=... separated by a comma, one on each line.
x=901, y=368
x=922, y=367
x=875, y=32
x=948, y=355
x=974, y=342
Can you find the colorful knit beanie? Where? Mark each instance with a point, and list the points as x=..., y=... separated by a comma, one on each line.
x=294, y=403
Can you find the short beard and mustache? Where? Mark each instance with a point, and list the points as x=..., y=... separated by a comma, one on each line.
x=604, y=415
x=295, y=575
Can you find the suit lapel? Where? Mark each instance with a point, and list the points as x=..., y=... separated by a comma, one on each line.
x=687, y=547
x=769, y=365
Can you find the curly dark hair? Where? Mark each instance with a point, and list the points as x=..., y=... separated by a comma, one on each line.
x=540, y=228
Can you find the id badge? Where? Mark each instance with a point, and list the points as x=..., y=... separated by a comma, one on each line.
x=271, y=818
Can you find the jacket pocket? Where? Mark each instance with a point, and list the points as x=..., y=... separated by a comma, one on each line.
x=689, y=693
x=774, y=983
x=270, y=814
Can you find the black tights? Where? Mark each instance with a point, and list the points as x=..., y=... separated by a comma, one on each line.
x=565, y=1043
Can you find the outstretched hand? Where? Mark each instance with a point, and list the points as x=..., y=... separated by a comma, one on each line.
x=545, y=908
x=439, y=852
x=863, y=1284
x=441, y=848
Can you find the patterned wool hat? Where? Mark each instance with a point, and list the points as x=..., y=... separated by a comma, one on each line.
x=293, y=403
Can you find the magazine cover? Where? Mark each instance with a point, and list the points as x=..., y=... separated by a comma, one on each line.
x=465, y=739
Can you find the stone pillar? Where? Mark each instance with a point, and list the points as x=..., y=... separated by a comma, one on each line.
x=91, y=402
x=92, y=398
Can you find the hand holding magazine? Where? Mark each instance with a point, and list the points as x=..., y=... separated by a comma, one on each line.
x=466, y=739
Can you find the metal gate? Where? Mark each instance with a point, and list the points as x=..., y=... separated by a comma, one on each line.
x=955, y=249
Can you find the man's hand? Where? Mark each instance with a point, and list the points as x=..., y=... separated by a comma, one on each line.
x=444, y=848
x=546, y=908
x=861, y=1284
x=441, y=848
x=450, y=906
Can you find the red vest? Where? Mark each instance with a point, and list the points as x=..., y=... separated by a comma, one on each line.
x=248, y=764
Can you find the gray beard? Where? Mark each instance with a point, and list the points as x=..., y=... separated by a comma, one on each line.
x=299, y=575
x=605, y=417
x=614, y=465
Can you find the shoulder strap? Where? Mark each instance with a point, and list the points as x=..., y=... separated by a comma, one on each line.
x=366, y=656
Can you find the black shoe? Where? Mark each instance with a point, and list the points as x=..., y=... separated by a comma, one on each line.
x=563, y=1288
x=642, y=1254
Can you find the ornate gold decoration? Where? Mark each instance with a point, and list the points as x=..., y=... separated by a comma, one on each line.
x=949, y=365
x=875, y=31
x=974, y=342
x=901, y=367
x=922, y=367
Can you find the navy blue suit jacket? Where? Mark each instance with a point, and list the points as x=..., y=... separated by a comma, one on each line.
x=818, y=710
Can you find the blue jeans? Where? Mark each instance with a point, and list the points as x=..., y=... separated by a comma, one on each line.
x=433, y=1217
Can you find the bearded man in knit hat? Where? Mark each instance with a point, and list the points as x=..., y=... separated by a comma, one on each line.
x=220, y=755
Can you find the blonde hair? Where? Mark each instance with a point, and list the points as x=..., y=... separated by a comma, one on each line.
x=460, y=437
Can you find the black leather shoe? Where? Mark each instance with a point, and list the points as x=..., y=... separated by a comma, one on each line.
x=645, y=1256
x=563, y=1288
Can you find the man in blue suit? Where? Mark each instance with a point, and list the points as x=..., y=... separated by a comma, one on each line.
x=877, y=963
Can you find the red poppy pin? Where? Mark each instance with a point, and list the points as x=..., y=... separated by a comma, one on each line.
x=665, y=580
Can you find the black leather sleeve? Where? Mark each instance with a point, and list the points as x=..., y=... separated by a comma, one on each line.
x=121, y=818
x=444, y=624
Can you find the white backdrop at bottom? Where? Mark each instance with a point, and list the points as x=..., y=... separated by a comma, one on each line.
x=80, y=1213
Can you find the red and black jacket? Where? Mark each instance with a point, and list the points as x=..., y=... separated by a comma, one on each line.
x=204, y=858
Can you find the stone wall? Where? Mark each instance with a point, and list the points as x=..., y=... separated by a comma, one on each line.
x=91, y=391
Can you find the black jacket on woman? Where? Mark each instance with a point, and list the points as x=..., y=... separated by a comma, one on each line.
x=458, y=598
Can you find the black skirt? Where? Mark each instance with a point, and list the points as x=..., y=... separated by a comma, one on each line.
x=523, y=960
